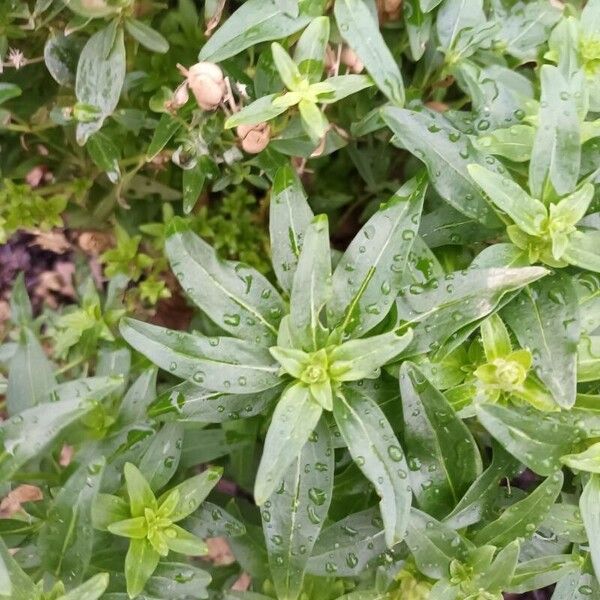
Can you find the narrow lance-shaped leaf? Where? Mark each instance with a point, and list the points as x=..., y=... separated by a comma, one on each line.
x=348, y=546
x=161, y=459
x=588, y=505
x=456, y=16
x=221, y=364
x=30, y=376
x=479, y=498
x=100, y=77
x=370, y=273
x=434, y=545
x=236, y=297
x=311, y=287
x=537, y=439
x=360, y=29
x=309, y=54
x=545, y=319
x=16, y=584
x=254, y=22
x=527, y=212
x=447, y=304
x=289, y=217
x=295, y=512
x=27, y=434
x=443, y=459
x=446, y=152
x=556, y=150
x=296, y=416
x=377, y=452
x=67, y=537
x=521, y=520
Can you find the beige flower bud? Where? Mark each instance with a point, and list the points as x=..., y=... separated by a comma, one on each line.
x=389, y=10
x=254, y=138
x=330, y=61
x=207, y=83
x=351, y=60
x=179, y=98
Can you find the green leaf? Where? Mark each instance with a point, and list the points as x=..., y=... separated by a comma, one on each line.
x=146, y=36
x=541, y=572
x=442, y=455
x=360, y=31
x=309, y=54
x=576, y=585
x=537, y=439
x=221, y=364
x=105, y=153
x=455, y=17
x=377, y=452
x=140, y=563
x=8, y=91
x=236, y=297
x=100, y=77
x=446, y=304
x=521, y=519
x=311, y=287
x=138, y=491
x=348, y=546
x=359, y=359
x=545, y=319
x=434, y=545
x=314, y=121
x=186, y=543
x=161, y=458
x=582, y=250
x=446, y=152
x=514, y=142
x=109, y=509
x=192, y=492
x=263, y=109
x=295, y=512
x=478, y=499
x=254, y=22
x=556, y=149
x=418, y=28
x=370, y=273
x=20, y=305
x=528, y=213
x=588, y=460
x=188, y=402
x=287, y=68
x=178, y=580
x=342, y=86
x=16, y=584
x=289, y=218
x=167, y=127
x=30, y=375
x=92, y=589
x=588, y=505
x=29, y=433
x=67, y=538
x=193, y=183
x=294, y=419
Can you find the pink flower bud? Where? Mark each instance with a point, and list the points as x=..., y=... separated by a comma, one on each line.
x=207, y=83
x=351, y=60
x=254, y=138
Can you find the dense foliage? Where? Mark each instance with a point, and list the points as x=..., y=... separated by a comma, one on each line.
x=320, y=311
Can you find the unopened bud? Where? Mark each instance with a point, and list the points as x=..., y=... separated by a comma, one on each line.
x=254, y=138
x=179, y=98
x=207, y=83
x=389, y=10
x=330, y=61
x=351, y=60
